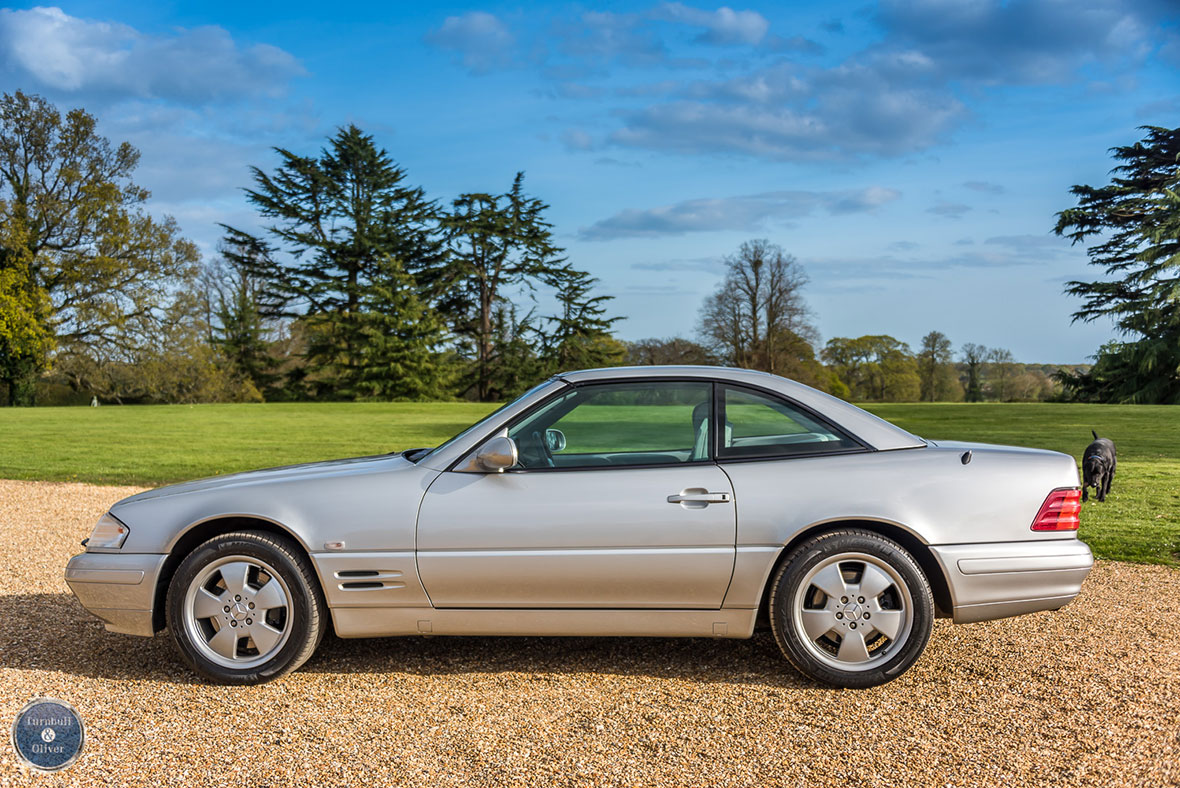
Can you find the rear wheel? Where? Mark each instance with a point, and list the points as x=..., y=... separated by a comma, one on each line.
x=245, y=608
x=851, y=608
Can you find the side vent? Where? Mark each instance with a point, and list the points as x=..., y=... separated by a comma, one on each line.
x=368, y=579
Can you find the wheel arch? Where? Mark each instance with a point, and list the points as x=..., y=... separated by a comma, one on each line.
x=202, y=531
x=910, y=541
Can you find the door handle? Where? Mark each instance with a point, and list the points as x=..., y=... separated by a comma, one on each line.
x=702, y=497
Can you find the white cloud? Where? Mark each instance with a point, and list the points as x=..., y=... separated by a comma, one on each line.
x=67, y=53
x=723, y=26
x=949, y=210
x=1020, y=41
x=903, y=94
x=481, y=40
x=745, y=212
x=577, y=139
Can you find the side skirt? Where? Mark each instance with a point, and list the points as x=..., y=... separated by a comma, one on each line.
x=358, y=622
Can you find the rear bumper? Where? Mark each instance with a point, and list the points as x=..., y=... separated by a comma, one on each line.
x=119, y=589
x=1001, y=579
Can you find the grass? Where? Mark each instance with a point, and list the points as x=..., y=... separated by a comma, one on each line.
x=156, y=444
x=151, y=445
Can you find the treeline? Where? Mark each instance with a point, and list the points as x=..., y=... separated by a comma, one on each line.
x=759, y=319
x=359, y=286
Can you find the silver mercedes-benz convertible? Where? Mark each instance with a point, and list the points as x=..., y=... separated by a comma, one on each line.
x=661, y=501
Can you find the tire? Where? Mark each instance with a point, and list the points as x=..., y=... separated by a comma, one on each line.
x=245, y=608
x=870, y=620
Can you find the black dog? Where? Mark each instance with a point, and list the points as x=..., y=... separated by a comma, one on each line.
x=1098, y=467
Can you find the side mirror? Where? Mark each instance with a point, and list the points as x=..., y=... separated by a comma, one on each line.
x=554, y=440
x=494, y=456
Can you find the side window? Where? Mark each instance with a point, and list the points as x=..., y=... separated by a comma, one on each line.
x=760, y=425
x=618, y=424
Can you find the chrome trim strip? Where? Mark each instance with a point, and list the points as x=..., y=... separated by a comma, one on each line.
x=1025, y=563
x=380, y=622
x=129, y=577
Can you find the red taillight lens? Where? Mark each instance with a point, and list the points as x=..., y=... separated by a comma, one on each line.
x=1060, y=511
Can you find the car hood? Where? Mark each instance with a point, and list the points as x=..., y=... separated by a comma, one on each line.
x=284, y=473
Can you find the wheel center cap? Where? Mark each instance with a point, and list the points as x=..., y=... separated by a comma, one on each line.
x=239, y=611
x=852, y=610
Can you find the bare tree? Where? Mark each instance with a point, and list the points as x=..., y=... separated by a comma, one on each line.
x=758, y=318
x=675, y=350
x=1001, y=370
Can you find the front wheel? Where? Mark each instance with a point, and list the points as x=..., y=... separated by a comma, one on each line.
x=245, y=608
x=851, y=608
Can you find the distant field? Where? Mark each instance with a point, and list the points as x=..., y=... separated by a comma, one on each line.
x=153, y=445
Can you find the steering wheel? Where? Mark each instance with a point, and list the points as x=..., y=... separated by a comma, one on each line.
x=545, y=456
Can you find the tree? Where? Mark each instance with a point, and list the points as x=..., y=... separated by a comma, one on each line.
x=675, y=350
x=515, y=364
x=580, y=337
x=936, y=374
x=758, y=318
x=232, y=301
x=173, y=364
x=97, y=271
x=1137, y=219
x=1002, y=372
x=874, y=367
x=399, y=333
x=496, y=243
x=974, y=357
x=24, y=339
x=346, y=234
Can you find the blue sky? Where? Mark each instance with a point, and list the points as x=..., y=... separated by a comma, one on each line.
x=911, y=155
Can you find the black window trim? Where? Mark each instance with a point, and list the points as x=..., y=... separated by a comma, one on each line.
x=487, y=436
x=714, y=440
x=860, y=448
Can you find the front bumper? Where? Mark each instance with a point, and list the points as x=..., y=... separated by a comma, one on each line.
x=1001, y=579
x=118, y=588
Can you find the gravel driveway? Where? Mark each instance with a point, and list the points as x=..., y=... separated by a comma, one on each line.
x=1089, y=695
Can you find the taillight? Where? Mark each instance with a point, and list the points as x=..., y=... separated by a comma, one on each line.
x=1060, y=511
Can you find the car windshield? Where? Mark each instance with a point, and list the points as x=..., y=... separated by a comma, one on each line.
x=419, y=454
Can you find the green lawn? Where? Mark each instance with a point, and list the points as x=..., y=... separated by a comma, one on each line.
x=155, y=444
x=152, y=445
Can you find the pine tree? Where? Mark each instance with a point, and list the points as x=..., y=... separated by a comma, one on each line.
x=581, y=334
x=400, y=333
x=497, y=243
x=515, y=364
x=1137, y=219
x=236, y=325
x=346, y=229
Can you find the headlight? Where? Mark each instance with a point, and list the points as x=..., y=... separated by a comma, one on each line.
x=109, y=533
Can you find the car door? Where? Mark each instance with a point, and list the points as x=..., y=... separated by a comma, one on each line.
x=615, y=502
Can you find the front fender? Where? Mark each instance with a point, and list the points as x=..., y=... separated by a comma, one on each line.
x=375, y=509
